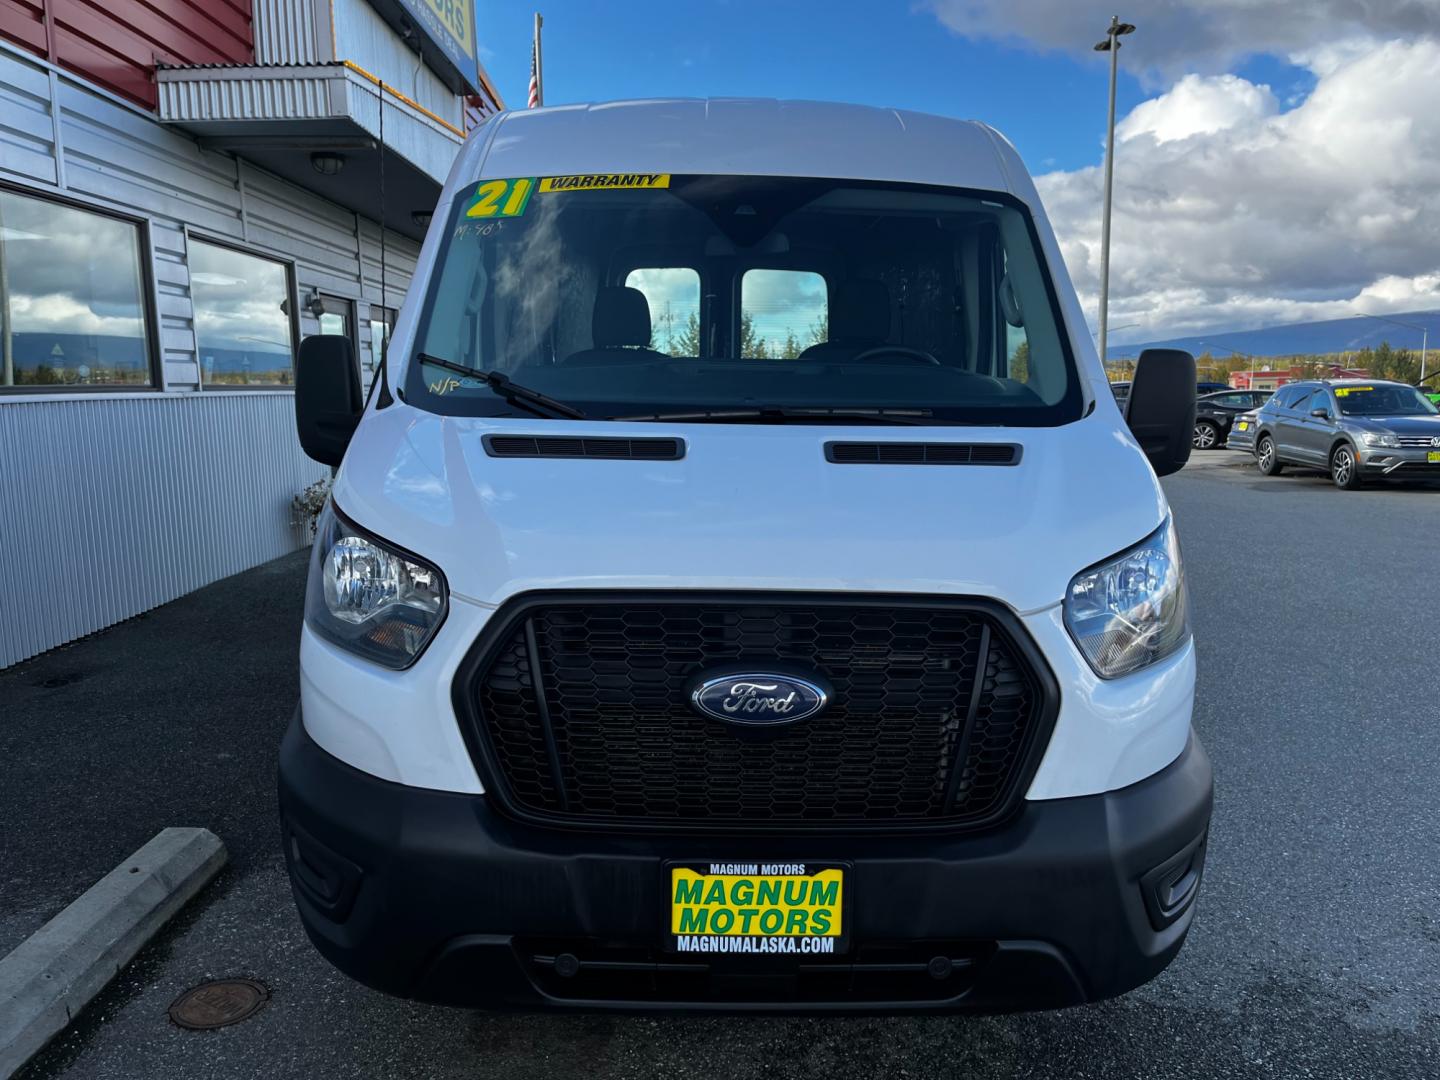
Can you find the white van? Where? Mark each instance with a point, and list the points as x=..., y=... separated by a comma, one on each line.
x=741, y=589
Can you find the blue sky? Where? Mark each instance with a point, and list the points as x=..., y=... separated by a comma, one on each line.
x=1051, y=105
x=1245, y=189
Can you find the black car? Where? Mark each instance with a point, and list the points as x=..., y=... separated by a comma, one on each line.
x=1214, y=413
x=1121, y=390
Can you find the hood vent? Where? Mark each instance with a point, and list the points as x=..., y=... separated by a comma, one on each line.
x=566, y=446
x=915, y=453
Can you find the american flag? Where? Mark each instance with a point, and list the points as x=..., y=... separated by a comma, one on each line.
x=534, y=74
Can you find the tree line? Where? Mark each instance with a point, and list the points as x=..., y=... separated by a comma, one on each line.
x=1381, y=362
x=684, y=339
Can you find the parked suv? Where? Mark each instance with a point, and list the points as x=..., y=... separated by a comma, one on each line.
x=1356, y=429
x=1215, y=413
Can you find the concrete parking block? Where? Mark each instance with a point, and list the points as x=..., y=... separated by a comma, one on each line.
x=53, y=974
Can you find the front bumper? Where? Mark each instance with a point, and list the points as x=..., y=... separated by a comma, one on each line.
x=436, y=896
x=1406, y=463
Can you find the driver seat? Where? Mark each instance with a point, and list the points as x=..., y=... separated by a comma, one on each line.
x=620, y=328
x=859, y=320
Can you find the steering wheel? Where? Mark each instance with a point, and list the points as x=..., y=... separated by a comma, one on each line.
x=918, y=355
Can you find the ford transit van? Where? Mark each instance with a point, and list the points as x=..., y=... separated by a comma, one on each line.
x=741, y=589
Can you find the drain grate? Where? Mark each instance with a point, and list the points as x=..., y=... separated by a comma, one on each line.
x=219, y=1003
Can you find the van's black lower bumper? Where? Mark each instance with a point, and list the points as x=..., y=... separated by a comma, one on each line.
x=436, y=896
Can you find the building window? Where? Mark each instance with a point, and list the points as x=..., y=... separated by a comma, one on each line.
x=335, y=314
x=382, y=322
x=242, y=321
x=72, y=298
x=782, y=313
x=673, y=293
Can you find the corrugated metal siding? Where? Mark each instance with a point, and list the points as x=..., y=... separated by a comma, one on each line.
x=292, y=32
x=131, y=502
x=111, y=505
x=23, y=22
x=117, y=43
x=27, y=127
x=364, y=38
x=294, y=93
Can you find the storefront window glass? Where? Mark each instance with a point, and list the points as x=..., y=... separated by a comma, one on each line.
x=72, y=298
x=242, y=321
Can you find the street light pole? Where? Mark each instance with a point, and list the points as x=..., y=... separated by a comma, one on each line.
x=1424, y=334
x=1111, y=44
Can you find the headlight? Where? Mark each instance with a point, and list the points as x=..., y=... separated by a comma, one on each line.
x=369, y=598
x=1384, y=438
x=1133, y=609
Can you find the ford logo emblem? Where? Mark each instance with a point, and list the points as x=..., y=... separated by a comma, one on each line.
x=757, y=699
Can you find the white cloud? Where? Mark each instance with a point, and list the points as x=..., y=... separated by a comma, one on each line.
x=1230, y=213
x=60, y=313
x=1188, y=35
x=1198, y=106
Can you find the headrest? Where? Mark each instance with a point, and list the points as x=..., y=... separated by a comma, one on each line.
x=622, y=317
x=1010, y=303
x=860, y=311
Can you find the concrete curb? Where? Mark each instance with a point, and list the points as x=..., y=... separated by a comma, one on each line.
x=56, y=971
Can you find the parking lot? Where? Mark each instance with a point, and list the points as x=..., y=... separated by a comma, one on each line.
x=1316, y=951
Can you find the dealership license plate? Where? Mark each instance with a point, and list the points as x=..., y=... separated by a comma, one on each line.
x=1242, y=425
x=1433, y=457
x=770, y=908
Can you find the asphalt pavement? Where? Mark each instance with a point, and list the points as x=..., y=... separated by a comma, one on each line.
x=1316, y=951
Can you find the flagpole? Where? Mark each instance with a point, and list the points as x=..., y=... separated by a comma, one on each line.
x=539, y=62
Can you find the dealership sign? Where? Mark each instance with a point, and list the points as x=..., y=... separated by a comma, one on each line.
x=450, y=24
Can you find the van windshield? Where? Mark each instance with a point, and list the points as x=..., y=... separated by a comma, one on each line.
x=655, y=295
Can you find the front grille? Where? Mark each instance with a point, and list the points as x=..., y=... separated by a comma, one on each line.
x=577, y=706
x=1417, y=441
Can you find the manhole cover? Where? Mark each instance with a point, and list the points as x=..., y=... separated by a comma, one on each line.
x=216, y=1004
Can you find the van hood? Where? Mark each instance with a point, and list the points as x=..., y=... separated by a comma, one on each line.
x=750, y=507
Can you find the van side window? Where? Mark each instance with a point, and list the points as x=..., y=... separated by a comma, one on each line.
x=673, y=293
x=782, y=313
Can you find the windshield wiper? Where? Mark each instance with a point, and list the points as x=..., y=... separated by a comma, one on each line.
x=777, y=415
x=513, y=392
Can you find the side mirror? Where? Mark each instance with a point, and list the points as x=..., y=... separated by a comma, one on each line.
x=1320, y=414
x=328, y=402
x=1161, y=409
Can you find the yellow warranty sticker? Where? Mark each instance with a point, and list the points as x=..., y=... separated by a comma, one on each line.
x=500, y=198
x=594, y=181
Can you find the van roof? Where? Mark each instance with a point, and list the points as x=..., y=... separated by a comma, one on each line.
x=749, y=136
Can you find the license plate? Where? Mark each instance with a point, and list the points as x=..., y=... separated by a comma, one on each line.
x=1243, y=425
x=1433, y=457
x=774, y=908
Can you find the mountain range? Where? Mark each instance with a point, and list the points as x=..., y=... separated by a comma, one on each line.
x=1329, y=336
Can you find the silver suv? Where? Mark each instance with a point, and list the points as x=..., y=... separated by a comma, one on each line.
x=1356, y=429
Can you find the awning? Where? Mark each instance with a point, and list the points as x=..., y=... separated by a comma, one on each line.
x=280, y=116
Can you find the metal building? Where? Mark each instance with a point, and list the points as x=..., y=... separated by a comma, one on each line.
x=187, y=188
